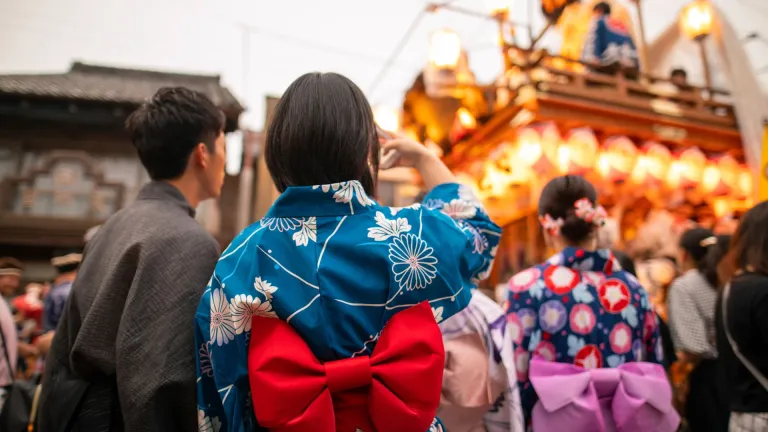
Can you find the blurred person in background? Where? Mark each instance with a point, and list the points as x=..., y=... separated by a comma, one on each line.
x=121, y=358
x=480, y=391
x=11, y=270
x=578, y=311
x=10, y=278
x=742, y=322
x=66, y=262
x=691, y=310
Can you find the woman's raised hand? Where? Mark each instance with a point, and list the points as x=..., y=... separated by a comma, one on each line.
x=405, y=152
x=402, y=152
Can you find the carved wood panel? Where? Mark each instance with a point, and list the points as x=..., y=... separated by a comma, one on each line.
x=67, y=185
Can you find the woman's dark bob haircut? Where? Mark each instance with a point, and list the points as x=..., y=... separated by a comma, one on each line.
x=322, y=132
x=749, y=245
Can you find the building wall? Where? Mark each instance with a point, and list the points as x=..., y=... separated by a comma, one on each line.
x=26, y=146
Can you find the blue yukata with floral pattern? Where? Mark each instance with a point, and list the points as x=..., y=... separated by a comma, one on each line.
x=579, y=307
x=336, y=266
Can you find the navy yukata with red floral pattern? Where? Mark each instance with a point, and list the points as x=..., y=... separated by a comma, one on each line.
x=579, y=307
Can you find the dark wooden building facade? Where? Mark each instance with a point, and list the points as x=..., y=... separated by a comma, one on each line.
x=66, y=162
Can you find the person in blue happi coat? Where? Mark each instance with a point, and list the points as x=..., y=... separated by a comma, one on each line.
x=609, y=47
x=336, y=266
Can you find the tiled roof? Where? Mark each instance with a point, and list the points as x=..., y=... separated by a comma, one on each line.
x=110, y=84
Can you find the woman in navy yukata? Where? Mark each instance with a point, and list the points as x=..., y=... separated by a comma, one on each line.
x=578, y=312
x=322, y=316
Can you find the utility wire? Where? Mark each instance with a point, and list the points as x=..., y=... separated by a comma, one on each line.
x=396, y=52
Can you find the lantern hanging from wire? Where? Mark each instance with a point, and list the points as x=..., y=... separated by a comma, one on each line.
x=687, y=170
x=577, y=154
x=652, y=164
x=617, y=160
x=537, y=146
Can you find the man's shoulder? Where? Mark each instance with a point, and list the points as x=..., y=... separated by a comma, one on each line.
x=150, y=226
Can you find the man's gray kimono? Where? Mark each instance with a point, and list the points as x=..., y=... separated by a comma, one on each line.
x=123, y=356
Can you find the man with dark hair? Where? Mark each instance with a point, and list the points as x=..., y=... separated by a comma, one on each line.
x=679, y=77
x=603, y=9
x=121, y=359
x=66, y=263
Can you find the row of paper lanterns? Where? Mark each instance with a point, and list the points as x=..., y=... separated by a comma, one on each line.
x=540, y=149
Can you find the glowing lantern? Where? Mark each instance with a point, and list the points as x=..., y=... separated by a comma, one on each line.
x=387, y=118
x=444, y=49
x=617, y=159
x=578, y=153
x=696, y=19
x=720, y=177
x=537, y=146
x=746, y=183
x=463, y=124
x=652, y=164
x=686, y=172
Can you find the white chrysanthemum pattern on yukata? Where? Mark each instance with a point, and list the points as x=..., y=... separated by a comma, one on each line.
x=244, y=307
x=387, y=228
x=207, y=424
x=280, y=224
x=459, y=209
x=222, y=329
x=412, y=262
x=306, y=232
x=396, y=210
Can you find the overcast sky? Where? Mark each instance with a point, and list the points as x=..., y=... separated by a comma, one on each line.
x=286, y=38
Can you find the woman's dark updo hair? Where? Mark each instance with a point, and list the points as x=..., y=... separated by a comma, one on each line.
x=706, y=250
x=322, y=132
x=558, y=199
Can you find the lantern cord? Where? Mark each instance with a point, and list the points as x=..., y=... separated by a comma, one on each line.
x=396, y=52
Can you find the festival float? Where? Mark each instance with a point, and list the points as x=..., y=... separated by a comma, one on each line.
x=652, y=146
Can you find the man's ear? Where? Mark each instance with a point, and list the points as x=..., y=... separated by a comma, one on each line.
x=201, y=155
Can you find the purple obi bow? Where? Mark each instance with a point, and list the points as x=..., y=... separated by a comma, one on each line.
x=635, y=397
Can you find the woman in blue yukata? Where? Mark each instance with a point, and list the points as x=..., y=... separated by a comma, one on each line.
x=322, y=316
x=587, y=346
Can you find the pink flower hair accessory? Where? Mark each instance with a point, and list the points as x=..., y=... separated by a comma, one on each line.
x=590, y=213
x=551, y=225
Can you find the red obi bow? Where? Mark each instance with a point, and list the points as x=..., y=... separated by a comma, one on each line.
x=397, y=388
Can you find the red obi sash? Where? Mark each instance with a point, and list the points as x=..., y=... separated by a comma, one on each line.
x=397, y=388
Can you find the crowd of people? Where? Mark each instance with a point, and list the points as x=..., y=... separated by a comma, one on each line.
x=336, y=313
